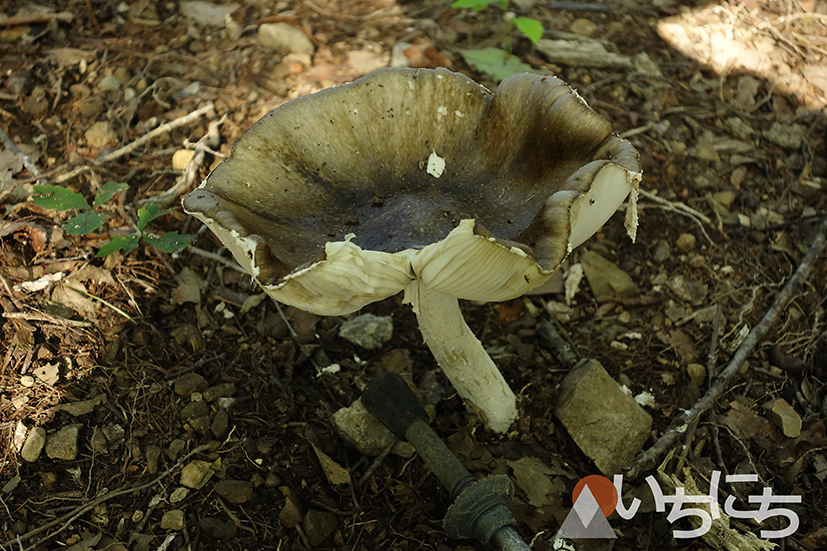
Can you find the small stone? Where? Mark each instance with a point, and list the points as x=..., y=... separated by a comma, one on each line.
x=725, y=198
x=179, y=494
x=235, y=491
x=153, y=454
x=27, y=381
x=686, y=242
x=173, y=520
x=605, y=422
x=34, y=444
x=218, y=529
x=63, y=444
x=364, y=432
x=188, y=383
x=109, y=83
x=688, y=288
x=181, y=158
x=285, y=39
x=368, y=331
x=605, y=277
x=219, y=391
x=318, y=525
x=785, y=417
x=196, y=473
x=220, y=424
x=696, y=373
x=662, y=252
x=98, y=441
x=291, y=514
x=583, y=27
x=175, y=449
x=194, y=410
x=789, y=136
x=100, y=134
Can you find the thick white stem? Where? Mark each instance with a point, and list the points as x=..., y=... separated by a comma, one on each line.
x=462, y=357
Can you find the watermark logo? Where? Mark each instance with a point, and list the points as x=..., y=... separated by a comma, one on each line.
x=596, y=497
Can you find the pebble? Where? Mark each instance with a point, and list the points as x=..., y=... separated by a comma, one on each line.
x=220, y=424
x=179, y=494
x=785, y=417
x=285, y=39
x=368, y=331
x=686, y=242
x=789, y=136
x=100, y=134
x=696, y=373
x=605, y=277
x=181, y=158
x=27, y=381
x=196, y=473
x=175, y=448
x=291, y=514
x=109, y=83
x=63, y=444
x=662, y=252
x=235, y=491
x=173, y=520
x=34, y=444
x=194, y=410
x=188, y=383
x=605, y=422
x=218, y=529
x=583, y=27
x=318, y=525
x=219, y=391
x=364, y=432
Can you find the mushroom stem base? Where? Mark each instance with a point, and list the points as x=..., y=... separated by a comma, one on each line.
x=462, y=357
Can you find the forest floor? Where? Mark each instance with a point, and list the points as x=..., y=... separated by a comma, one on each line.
x=143, y=368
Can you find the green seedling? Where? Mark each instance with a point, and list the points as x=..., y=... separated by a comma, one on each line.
x=500, y=63
x=89, y=219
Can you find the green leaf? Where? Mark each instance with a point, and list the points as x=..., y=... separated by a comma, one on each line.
x=107, y=192
x=477, y=5
x=85, y=222
x=123, y=243
x=170, y=242
x=532, y=28
x=149, y=213
x=58, y=198
x=497, y=63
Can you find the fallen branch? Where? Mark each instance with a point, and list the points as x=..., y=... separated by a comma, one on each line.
x=132, y=146
x=184, y=181
x=646, y=460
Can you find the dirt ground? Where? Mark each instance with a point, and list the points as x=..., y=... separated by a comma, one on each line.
x=108, y=357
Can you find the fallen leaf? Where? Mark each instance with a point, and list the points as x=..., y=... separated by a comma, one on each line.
x=335, y=473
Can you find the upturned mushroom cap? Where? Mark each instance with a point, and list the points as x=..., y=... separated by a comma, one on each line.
x=343, y=197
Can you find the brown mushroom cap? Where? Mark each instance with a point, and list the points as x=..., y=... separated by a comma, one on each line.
x=379, y=171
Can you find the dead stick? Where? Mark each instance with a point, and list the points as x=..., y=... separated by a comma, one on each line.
x=646, y=460
x=132, y=146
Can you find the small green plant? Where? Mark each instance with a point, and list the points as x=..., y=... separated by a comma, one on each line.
x=498, y=62
x=89, y=219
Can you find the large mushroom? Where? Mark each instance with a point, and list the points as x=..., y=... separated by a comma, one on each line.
x=422, y=181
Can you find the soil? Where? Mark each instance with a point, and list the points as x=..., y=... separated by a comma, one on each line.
x=144, y=364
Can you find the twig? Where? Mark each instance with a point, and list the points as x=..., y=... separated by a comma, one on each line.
x=376, y=463
x=185, y=180
x=35, y=316
x=682, y=209
x=132, y=146
x=76, y=513
x=215, y=257
x=679, y=425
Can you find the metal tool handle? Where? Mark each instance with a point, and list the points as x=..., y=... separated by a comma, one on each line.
x=388, y=398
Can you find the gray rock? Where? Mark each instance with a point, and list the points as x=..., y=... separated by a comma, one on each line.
x=605, y=422
x=175, y=448
x=193, y=410
x=196, y=473
x=662, y=252
x=109, y=83
x=367, y=330
x=220, y=424
x=364, y=432
x=218, y=529
x=235, y=491
x=789, y=136
x=605, y=277
x=686, y=242
x=34, y=444
x=188, y=383
x=64, y=443
x=285, y=39
x=100, y=134
x=219, y=391
x=318, y=525
x=173, y=520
